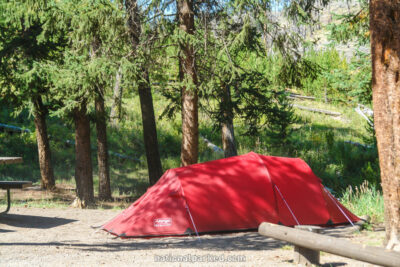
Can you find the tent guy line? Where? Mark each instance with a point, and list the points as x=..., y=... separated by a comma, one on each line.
x=287, y=205
x=329, y=195
x=187, y=208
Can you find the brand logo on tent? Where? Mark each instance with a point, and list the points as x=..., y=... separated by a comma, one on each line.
x=162, y=222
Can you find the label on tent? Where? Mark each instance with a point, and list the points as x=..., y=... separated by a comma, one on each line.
x=162, y=222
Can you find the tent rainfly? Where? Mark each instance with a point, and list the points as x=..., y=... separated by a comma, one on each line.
x=231, y=194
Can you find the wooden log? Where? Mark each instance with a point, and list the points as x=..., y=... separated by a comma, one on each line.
x=305, y=256
x=213, y=147
x=358, y=144
x=341, y=247
x=301, y=96
x=360, y=111
x=10, y=160
x=364, y=220
x=326, y=112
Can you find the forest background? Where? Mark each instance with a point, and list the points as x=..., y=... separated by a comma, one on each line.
x=57, y=56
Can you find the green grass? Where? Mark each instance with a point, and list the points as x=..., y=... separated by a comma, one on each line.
x=320, y=141
x=30, y=203
x=316, y=138
x=364, y=200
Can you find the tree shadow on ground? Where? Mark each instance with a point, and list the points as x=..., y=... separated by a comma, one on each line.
x=30, y=221
x=329, y=264
x=248, y=241
x=6, y=231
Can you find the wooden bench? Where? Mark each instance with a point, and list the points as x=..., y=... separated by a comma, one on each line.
x=7, y=185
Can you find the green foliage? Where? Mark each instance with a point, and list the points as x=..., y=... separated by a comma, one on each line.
x=365, y=199
x=352, y=26
x=356, y=79
x=25, y=43
x=370, y=139
x=293, y=72
x=339, y=79
x=323, y=143
x=96, y=48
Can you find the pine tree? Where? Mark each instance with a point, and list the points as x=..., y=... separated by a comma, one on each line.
x=231, y=34
x=27, y=42
x=93, y=56
x=140, y=45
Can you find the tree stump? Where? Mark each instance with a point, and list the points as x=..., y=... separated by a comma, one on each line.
x=305, y=256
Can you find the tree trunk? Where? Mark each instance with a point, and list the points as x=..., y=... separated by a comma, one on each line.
x=101, y=129
x=102, y=150
x=115, y=114
x=385, y=51
x=228, y=135
x=46, y=168
x=146, y=99
x=149, y=129
x=190, y=124
x=83, y=164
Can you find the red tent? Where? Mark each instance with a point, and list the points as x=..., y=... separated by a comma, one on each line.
x=231, y=194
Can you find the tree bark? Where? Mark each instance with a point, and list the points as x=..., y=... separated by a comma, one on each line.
x=46, y=167
x=190, y=124
x=228, y=135
x=146, y=99
x=115, y=114
x=149, y=129
x=102, y=150
x=101, y=129
x=385, y=51
x=83, y=164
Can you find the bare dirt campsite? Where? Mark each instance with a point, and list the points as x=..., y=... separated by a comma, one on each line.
x=65, y=236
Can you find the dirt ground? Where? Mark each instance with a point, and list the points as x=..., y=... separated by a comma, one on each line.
x=69, y=237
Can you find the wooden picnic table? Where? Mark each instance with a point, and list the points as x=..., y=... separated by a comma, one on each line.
x=7, y=185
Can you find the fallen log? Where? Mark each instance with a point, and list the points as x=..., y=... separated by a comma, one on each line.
x=10, y=160
x=365, y=112
x=326, y=112
x=358, y=144
x=213, y=147
x=12, y=128
x=333, y=245
x=293, y=96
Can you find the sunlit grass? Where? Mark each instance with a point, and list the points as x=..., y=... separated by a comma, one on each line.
x=35, y=203
x=365, y=200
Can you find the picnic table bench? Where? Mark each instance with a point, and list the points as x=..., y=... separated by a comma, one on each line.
x=7, y=185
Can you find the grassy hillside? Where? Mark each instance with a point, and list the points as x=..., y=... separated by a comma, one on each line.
x=316, y=138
